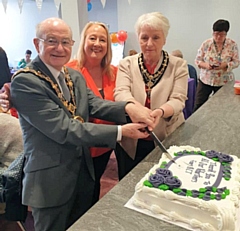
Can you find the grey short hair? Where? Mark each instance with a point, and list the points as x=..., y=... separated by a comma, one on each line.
x=177, y=53
x=155, y=20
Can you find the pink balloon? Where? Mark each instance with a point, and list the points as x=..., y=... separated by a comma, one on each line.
x=122, y=35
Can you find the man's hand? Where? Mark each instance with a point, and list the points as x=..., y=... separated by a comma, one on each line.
x=5, y=97
x=135, y=130
x=140, y=114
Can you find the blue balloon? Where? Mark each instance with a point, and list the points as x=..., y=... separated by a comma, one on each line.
x=89, y=6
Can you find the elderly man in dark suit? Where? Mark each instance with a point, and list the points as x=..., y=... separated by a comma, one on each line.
x=58, y=177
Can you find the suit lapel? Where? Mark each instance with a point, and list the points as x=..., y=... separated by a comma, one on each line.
x=39, y=65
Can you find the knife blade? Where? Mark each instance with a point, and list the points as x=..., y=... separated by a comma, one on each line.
x=161, y=146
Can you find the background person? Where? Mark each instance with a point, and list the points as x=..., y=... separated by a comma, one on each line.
x=132, y=52
x=5, y=75
x=153, y=79
x=58, y=178
x=216, y=58
x=191, y=69
x=23, y=62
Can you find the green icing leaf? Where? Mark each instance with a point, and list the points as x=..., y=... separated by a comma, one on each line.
x=214, y=189
x=223, y=196
x=215, y=159
x=189, y=193
x=227, y=178
x=177, y=190
x=212, y=197
x=163, y=187
x=227, y=191
x=202, y=190
x=147, y=183
x=201, y=195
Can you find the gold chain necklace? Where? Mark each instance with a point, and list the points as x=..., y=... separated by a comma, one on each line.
x=71, y=106
x=151, y=80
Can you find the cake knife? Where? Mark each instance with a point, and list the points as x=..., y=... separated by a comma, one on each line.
x=161, y=146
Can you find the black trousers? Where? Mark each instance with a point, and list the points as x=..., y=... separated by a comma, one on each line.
x=60, y=218
x=100, y=164
x=203, y=92
x=126, y=163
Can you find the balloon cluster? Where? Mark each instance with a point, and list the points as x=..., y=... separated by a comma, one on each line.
x=89, y=5
x=119, y=37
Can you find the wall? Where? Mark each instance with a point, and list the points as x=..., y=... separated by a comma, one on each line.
x=18, y=29
x=107, y=15
x=191, y=22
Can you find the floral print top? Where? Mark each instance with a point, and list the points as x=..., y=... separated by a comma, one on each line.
x=207, y=53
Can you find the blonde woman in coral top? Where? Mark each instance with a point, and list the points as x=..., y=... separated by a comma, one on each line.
x=94, y=62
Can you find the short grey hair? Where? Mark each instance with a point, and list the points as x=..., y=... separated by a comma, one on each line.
x=155, y=20
x=177, y=53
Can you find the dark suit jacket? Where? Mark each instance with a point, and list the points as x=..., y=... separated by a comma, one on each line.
x=54, y=143
x=5, y=75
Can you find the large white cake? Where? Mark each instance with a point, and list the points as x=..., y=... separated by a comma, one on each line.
x=201, y=190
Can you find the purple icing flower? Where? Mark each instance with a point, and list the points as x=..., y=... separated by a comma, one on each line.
x=164, y=172
x=206, y=198
x=179, y=153
x=181, y=193
x=209, y=188
x=172, y=182
x=212, y=154
x=221, y=190
x=184, y=190
x=156, y=180
x=218, y=197
x=195, y=193
x=224, y=158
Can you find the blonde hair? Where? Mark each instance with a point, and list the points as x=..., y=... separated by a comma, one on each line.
x=155, y=20
x=106, y=61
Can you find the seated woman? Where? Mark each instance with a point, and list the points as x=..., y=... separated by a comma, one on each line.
x=23, y=62
x=11, y=144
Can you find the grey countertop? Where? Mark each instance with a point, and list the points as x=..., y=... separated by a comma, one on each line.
x=214, y=126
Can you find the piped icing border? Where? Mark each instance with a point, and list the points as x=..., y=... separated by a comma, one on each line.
x=164, y=179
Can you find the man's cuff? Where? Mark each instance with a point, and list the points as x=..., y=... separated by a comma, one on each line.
x=119, y=134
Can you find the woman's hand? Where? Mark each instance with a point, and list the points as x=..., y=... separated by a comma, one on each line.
x=204, y=65
x=5, y=97
x=140, y=114
x=223, y=66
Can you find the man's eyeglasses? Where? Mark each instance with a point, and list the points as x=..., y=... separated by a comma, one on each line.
x=55, y=43
x=221, y=34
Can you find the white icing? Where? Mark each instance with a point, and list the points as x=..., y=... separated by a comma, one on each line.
x=210, y=215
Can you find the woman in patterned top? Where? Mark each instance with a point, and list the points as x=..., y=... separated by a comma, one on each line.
x=216, y=58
